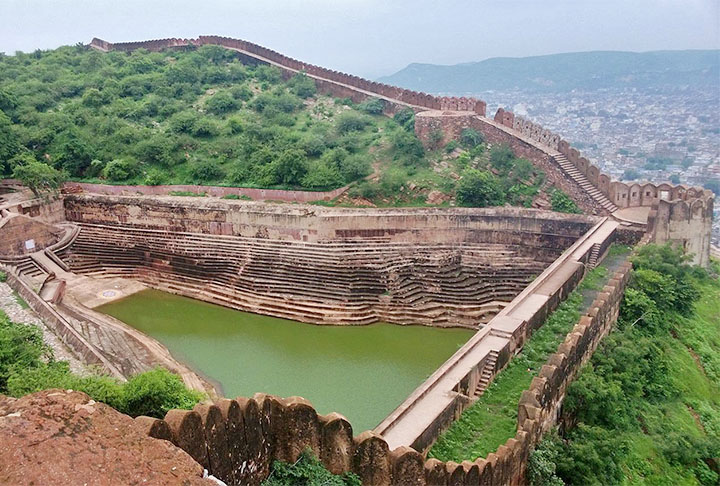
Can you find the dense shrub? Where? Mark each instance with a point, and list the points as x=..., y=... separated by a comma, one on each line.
x=303, y=86
x=372, y=106
x=352, y=122
x=406, y=118
x=120, y=170
x=561, y=202
x=307, y=470
x=27, y=366
x=470, y=138
x=206, y=171
x=221, y=103
x=479, y=189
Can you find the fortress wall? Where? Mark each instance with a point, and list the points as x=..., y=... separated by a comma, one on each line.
x=237, y=440
x=527, y=227
x=451, y=124
x=621, y=194
x=337, y=83
x=685, y=222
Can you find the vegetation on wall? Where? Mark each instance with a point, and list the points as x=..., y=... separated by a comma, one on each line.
x=307, y=470
x=27, y=365
x=646, y=409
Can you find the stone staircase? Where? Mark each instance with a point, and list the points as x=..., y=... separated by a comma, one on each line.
x=487, y=374
x=594, y=256
x=334, y=282
x=575, y=174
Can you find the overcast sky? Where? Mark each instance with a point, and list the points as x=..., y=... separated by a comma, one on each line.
x=374, y=37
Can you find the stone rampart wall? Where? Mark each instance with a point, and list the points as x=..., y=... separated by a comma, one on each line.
x=335, y=82
x=237, y=440
x=621, y=194
x=684, y=221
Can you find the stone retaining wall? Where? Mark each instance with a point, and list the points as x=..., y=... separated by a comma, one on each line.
x=61, y=327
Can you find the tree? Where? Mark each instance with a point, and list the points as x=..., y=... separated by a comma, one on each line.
x=372, y=106
x=479, y=189
x=470, y=138
x=290, y=167
x=39, y=177
x=303, y=86
x=8, y=142
x=221, y=103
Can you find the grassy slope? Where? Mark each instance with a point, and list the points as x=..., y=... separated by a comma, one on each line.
x=693, y=356
x=490, y=421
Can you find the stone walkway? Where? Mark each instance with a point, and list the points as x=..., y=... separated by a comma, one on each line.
x=16, y=313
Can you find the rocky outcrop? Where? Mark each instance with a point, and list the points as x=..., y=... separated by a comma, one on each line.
x=63, y=437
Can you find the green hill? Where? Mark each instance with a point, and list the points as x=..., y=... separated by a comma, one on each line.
x=564, y=72
x=200, y=116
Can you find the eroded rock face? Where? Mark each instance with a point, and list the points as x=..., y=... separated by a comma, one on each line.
x=65, y=438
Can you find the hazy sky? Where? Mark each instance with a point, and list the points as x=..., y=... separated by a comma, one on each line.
x=374, y=37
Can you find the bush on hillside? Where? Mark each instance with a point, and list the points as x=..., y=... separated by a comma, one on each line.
x=479, y=189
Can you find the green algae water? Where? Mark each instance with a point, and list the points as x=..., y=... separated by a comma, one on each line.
x=362, y=372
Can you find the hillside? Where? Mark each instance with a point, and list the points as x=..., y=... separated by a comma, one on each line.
x=200, y=116
x=564, y=72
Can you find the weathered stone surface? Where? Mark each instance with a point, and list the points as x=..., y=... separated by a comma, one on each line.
x=235, y=429
x=188, y=434
x=153, y=427
x=302, y=428
x=61, y=437
x=337, y=445
x=407, y=467
x=435, y=473
x=218, y=450
x=371, y=461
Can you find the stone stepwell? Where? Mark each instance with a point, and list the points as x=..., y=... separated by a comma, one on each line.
x=322, y=283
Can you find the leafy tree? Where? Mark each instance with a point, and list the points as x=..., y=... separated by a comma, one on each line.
x=39, y=177
x=120, y=170
x=502, y=158
x=322, y=175
x=206, y=171
x=372, y=106
x=406, y=118
x=470, y=138
x=221, y=103
x=479, y=189
x=71, y=153
x=8, y=142
x=352, y=122
x=303, y=86
x=156, y=150
x=290, y=167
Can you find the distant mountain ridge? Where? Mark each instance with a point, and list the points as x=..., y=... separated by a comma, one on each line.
x=564, y=72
